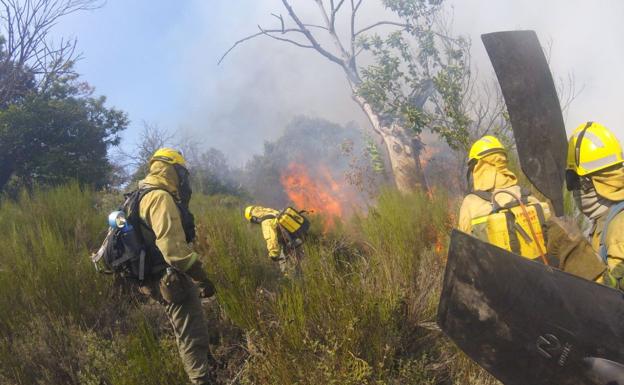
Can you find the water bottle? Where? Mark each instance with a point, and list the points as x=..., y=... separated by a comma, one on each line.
x=130, y=238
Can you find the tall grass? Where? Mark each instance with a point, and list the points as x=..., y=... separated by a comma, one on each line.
x=361, y=312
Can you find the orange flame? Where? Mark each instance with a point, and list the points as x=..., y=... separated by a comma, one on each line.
x=322, y=194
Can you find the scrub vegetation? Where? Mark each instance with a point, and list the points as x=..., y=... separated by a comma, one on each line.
x=362, y=312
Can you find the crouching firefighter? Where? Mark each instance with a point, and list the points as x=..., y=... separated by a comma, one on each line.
x=149, y=242
x=283, y=232
x=498, y=210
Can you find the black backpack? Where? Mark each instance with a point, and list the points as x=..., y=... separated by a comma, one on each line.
x=126, y=252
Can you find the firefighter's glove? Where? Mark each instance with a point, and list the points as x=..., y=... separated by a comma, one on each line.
x=575, y=254
x=613, y=277
x=205, y=285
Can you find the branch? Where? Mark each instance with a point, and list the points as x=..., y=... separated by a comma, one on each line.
x=354, y=9
x=310, y=37
x=334, y=11
x=381, y=23
x=280, y=18
x=266, y=32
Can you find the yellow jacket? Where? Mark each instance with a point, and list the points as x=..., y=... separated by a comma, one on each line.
x=474, y=207
x=159, y=211
x=614, y=240
x=270, y=231
x=610, y=185
x=490, y=173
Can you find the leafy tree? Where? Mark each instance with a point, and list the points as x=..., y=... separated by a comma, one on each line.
x=211, y=174
x=61, y=134
x=416, y=80
x=136, y=161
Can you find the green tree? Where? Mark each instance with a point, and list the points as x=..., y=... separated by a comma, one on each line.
x=414, y=76
x=60, y=134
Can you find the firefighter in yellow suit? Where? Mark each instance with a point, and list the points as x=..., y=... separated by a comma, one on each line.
x=595, y=175
x=267, y=218
x=487, y=162
x=176, y=279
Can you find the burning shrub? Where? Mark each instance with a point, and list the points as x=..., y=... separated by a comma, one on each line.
x=310, y=166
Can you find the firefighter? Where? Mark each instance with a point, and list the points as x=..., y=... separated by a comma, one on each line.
x=179, y=280
x=595, y=176
x=491, y=178
x=282, y=245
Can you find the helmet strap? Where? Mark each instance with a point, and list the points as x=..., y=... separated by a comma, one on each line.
x=579, y=140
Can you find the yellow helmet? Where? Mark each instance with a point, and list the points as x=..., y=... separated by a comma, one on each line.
x=248, y=215
x=169, y=155
x=485, y=146
x=592, y=147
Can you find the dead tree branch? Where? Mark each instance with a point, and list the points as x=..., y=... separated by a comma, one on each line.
x=402, y=25
x=26, y=49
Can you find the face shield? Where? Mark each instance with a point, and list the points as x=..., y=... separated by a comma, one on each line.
x=574, y=182
x=184, y=184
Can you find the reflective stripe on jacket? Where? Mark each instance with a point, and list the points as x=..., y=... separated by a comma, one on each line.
x=474, y=211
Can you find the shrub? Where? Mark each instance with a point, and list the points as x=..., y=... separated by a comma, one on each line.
x=362, y=311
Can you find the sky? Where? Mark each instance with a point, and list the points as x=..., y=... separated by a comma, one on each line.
x=157, y=60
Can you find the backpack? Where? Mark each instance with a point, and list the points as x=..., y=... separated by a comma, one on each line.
x=125, y=251
x=511, y=228
x=613, y=211
x=294, y=222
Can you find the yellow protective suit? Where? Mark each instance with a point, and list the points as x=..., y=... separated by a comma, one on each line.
x=159, y=210
x=491, y=174
x=610, y=185
x=270, y=231
x=181, y=301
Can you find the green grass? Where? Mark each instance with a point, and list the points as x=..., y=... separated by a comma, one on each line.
x=361, y=313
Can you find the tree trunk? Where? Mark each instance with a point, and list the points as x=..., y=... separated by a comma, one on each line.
x=403, y=151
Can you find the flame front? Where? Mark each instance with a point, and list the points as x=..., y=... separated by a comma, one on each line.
x=321, y=194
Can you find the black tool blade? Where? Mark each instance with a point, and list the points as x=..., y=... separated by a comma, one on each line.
x=528, y=323
x=534, y=109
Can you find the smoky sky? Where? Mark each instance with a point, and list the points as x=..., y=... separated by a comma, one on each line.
x=265, y=83
x=159, y=63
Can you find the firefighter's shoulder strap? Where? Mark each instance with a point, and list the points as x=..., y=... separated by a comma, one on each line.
x=489, y=196
x=133, y=200
x=613, y=212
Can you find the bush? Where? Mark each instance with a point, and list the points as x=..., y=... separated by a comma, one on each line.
x=362, y=311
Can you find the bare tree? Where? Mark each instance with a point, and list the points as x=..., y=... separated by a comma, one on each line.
x=27, y=52
x=414, y=64
x=152, y=138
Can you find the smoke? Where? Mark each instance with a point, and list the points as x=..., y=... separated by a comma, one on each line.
x=584, y=39
x=263, y=83
x=159, y=63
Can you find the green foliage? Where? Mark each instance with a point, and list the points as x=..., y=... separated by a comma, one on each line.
x=376, y=158
x=359, y=314
x=58, y=135
x=419, y=76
